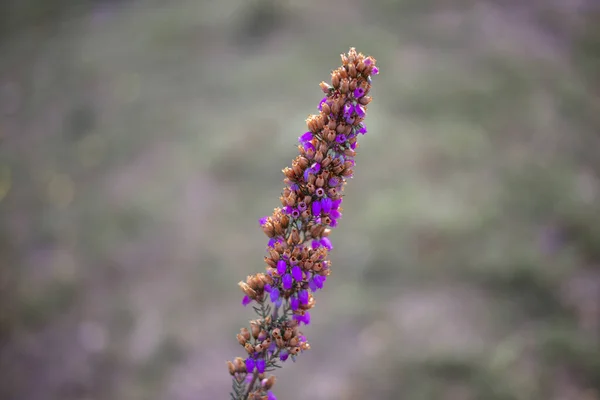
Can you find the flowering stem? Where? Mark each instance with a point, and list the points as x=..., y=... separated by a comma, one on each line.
x=297, y=264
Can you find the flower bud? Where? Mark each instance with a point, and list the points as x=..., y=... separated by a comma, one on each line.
x=269, y=382
x=325, y=87
x=231, y=368
x=241, y=339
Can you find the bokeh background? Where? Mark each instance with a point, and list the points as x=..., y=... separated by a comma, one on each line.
x=141, y=140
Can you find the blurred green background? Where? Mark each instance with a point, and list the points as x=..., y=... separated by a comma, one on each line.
x=140, y=141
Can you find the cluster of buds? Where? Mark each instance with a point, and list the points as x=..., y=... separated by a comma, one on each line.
x=296, y=263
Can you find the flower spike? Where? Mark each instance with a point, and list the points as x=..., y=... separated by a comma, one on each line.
x=296, y=263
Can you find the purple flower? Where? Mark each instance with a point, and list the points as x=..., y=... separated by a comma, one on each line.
x=281, y=267
x=308, y=145
x=353, y=146
x=303, y=297
x=295, y=213
x=336, y=203
x=294, y=303
x=327, y=243
x=375, y=71
x=348, y=109
x=334, y=181
x=321, y=103
x=320, y=192
x=287, y=281
x=303, y=318
x=260, y=365
x=297, y=273
x=305, y=137
x=284, y=355
x=263, y=221
x=294, y=187
x=360, y=111
x=273, y=241
x=312, y=285
x=335, y=214
x=301, y=206
x=316, y=207
x=359, y=92
x=250, y=364
x=341, y=138
x=319, y=279
x=333, y=223
x=270, y=395
x=268, y=288
x=246, y=300
x=326, y=205
x=367, y=61
x=315, y=244
x=363, y=129
x=274, y=295
x=287, y=209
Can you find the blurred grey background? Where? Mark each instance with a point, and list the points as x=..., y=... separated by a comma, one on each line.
x=140, y=141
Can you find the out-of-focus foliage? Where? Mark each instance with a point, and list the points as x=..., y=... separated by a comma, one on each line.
x=141, y=140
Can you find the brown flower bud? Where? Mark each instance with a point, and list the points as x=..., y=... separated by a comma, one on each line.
x=348, y=172
x=245, y=333
x=343, y=73
x=319, y=182
x=335, y=79
x=335, y=109
x=331, y=136
x=365, y=100
x=276, y=333
x=295, y=350
x=279, y=342
x=319, y=156
x=302, y=162
x=288, y=172
x=274, y=255
x=310, y=153
x=340, y=128
x=332, y=124
x=361, y=66
x=297, y=170
x=317, y=267
x=255, y=329
x=347, y=129
x=293, y=341
x=344, y=59
x=325, y=109
x=231, y=368
x=241, y=339
x=269, y=382
x=353, y=85
x=352, y=70
x=285, y=220
x=247, y=289
x=323, y=147
x=265, y=345
x=345, y=86
x=288, y=334
x=311, y=178
x=270, y=262
x=295, y=236
x=239, y=364
x=311, y=188
x=326, y=161
x=249, y=348
x=325, y=87
x=306, y=214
